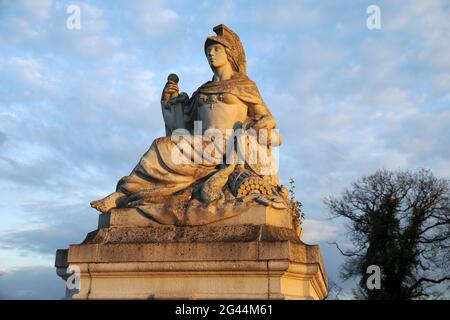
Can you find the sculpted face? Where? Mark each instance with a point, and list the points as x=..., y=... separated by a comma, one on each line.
x=216, y=55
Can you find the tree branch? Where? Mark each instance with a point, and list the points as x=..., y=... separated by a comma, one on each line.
x=346, y=254
x=414, y=286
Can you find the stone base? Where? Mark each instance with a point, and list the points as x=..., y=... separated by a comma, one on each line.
x=248, y=214
x=241, y=261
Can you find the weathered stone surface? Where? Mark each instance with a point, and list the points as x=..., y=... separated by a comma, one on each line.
x=257, y=269
x=201, y=280
x=252, y=261
x=170, y=234
x=254, y=214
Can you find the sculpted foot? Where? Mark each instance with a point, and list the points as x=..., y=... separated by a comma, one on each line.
x=107, y=203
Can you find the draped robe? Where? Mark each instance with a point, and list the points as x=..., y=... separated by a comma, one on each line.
x=157, y=175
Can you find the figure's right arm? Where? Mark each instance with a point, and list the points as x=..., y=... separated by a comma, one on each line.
x=171, y=101
x=170, y=90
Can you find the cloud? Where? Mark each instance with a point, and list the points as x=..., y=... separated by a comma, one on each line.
x=59, y=117
x=155, y=18
x=27, y=74
x=51, y=225
x=317, y=231
x=285, y=15
x=2, y=138
x=40, y=283
x=35, y=10
x=51, y=37
x=423, y=139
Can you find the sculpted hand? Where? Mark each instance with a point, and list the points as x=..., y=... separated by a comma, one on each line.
x=265, y=122
x=263, y=127
x=170, y=89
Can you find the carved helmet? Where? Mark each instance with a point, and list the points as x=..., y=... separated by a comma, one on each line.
x=232, y=44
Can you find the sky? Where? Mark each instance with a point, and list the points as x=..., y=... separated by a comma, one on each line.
x=79, y=107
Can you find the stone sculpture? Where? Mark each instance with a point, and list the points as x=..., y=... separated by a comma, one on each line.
x=202, y=215
x=198, y=192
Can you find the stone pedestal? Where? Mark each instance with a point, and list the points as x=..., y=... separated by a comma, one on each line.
x=255, y=255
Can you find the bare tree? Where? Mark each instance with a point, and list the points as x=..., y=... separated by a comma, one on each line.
x=399, y=221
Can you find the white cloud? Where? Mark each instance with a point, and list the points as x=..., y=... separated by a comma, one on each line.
x=95, y=46
x=155, y=18
x=284, y=15
x=38, y=282
x=39, y=10
x=27, y=70
x=318, y=230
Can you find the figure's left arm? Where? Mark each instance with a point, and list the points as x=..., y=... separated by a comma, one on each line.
x=262, y=116
x=263, y=119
